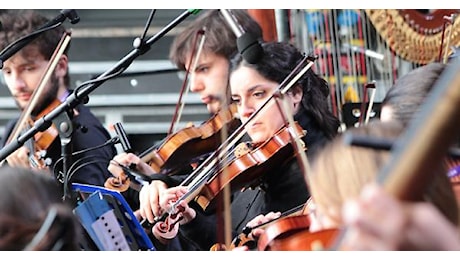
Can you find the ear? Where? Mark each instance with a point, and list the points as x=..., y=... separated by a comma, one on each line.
x=297, y=94
x=61, y=68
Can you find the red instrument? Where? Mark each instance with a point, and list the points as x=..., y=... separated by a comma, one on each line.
x=305, y=241
x=246, y=170
x=180, y=147
x=42, y=140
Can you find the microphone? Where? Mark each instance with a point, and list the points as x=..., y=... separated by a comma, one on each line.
x=15, y=46
x=247, y=44
x=71, y=14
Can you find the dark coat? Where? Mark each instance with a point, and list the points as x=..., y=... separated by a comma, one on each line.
x=89, y=167
x=282, y=187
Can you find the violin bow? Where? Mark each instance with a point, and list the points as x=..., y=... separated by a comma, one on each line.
x=411, y=160
x=200, y=36
x=226, y=216
x=299, y=146
x=22, y=122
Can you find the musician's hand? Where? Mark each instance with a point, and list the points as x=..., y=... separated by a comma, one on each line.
x=128, y=159
x=377, y=221
x=261, y=219
x=19, y=158
x=149, y=198
x=170, y=196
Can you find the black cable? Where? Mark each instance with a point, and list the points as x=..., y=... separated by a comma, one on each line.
x=99, y=79
x=26, y=37
x=65, y=179
x=71, y=173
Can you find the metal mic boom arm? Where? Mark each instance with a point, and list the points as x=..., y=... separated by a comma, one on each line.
x=78, y=96
x=11, y=49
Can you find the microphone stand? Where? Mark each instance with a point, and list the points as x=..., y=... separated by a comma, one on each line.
x=81, y=96
x=19, y=44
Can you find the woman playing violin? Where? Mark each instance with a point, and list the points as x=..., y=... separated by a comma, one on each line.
x=22, y=73
x=283, y=187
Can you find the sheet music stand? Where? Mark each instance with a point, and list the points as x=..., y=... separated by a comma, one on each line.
x=109, y=221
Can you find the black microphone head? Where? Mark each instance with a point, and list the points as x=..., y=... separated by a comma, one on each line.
x=249, y=47
x=72, y=15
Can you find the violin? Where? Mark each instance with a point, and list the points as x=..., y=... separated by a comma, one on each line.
x=190, y=142
x=305, y=241
x=246, y=170
x=288, y=232
x=42, y=140
x=282, y=227
x=289, y=222
x=127, y=178
x=179, y=148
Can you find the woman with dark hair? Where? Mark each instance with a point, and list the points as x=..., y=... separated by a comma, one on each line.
x=281, y=187
x=33, y=215
x=312, y=112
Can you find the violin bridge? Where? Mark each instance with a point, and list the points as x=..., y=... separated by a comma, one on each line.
x=241, y=149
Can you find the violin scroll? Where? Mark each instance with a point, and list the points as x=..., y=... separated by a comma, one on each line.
x=120, y=183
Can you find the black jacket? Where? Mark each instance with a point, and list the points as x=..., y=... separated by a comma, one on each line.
x=89, y=167
x=282, y=187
